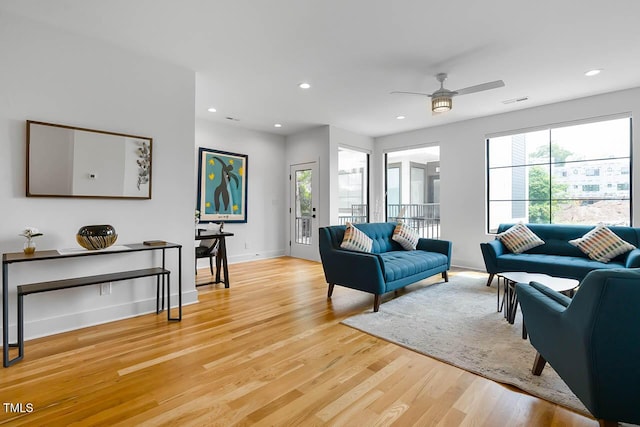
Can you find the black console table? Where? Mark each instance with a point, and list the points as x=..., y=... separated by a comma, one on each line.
x=22, y=290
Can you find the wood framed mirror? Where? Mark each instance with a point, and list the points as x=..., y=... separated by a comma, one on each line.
x=67, y=161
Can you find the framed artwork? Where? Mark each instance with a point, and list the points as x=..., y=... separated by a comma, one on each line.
x=222, y=186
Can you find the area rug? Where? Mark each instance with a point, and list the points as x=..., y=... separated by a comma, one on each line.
x=457, y=323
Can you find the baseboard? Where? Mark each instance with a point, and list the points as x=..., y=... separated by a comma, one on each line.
x=245, y=257
x=464, y=267
x=69, y=322
x=256, y=256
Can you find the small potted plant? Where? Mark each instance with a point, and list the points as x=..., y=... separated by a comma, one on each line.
x=30, y=245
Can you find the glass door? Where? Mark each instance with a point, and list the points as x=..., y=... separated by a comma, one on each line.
x=304, y=215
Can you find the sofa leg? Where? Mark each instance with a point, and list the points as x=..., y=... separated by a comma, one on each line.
x=376, y=303
x=607, y=423
x=490, y=279
x=330, y=290
x=538, y=365
x=445, y=276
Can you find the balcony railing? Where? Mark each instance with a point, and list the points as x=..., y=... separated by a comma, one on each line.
x=342, y=220
x=358, y=215
x=303, y=230
x=422, y=217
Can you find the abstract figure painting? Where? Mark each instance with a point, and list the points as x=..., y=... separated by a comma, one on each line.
x=222, y=186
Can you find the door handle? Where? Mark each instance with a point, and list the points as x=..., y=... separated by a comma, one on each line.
x=313, y=216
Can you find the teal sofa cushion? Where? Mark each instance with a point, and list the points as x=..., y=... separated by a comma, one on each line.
x=401, y=264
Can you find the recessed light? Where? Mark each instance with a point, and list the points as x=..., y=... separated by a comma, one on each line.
x=304, y=85
x=211, y=110
x=401, y=117
x=592, y=73
x=277, y=125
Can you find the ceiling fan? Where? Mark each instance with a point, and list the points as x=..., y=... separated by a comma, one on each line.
x=441, y=98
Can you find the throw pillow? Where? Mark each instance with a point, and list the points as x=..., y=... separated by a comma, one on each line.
x=519, y=239
x=356, y=240
x=406, y=236
x=602, y=244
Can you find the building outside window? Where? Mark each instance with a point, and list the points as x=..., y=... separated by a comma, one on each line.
x=555, y=175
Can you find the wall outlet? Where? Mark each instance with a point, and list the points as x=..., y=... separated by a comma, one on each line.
x=105, y=288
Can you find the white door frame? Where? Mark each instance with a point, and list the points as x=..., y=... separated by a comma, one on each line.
x=303, y=237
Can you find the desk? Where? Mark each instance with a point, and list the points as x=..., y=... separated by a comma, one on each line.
x=221, y=258
x=49, y=255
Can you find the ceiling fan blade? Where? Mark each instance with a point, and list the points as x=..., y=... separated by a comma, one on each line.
x=479, y=88
x=395, y=92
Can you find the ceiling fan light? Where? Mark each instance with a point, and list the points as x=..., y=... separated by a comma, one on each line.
x=440, y=104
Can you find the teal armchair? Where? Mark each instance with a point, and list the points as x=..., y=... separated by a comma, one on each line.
x=592, y=341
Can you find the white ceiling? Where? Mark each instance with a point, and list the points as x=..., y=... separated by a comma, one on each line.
x=249, y=55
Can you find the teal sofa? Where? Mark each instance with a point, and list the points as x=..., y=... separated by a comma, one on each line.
x=557, y=257
x=592, y=341
x=387, y=268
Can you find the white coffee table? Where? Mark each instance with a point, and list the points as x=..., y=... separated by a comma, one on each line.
x=558, y=284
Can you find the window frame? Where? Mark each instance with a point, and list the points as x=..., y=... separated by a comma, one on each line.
x=366, y=179
x=549, y=163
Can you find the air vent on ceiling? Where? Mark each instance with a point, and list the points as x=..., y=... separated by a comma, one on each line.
x=511, y=101
x=232, y=119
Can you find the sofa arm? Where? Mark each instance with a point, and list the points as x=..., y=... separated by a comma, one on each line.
x=556, y=296
x=633, y=259
x=490, y=253
x=358, y=270
x=551, y=332
x=434, y=245
x=533, y=299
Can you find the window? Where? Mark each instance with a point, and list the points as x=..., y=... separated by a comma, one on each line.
x=353, y=188
x=591, y=187
x=393, y=183
x=412, y=188
x=553, y=175
x=417, y=185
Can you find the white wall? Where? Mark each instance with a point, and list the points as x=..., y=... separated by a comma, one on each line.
x=54, y=76
x=304, y=147
x=264, y=233
x=462, y=167
x=321, y=145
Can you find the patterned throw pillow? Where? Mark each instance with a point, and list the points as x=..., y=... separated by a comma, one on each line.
x=602, y=244
x=356, y=240
x=519, y=238
x=406, y=236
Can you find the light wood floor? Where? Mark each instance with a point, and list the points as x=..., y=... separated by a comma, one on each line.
x=268, y=351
